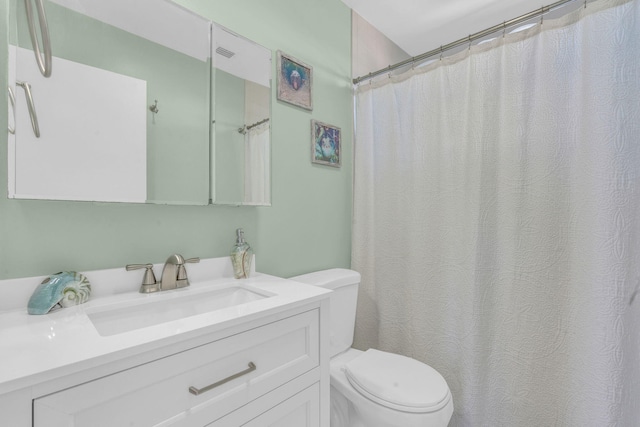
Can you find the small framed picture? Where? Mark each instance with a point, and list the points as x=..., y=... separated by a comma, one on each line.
x=294, y=81
x=326, y=143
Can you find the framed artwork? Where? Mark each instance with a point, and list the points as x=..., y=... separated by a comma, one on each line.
x=294, y=81
x=326, y=142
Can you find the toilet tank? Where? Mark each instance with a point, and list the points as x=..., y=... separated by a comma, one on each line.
x=344, y=284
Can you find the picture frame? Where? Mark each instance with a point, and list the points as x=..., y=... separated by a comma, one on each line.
x=294, y=81
x=326, y=144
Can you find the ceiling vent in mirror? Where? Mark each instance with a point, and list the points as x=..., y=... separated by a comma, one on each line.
x=224, y=52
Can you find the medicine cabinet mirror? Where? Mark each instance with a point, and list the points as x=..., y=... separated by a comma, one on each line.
x=146, y=102
x=241, y=132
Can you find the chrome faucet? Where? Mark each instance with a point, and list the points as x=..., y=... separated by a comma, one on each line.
x=174, y=274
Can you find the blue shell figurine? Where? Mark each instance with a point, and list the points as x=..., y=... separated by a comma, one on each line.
x=64, y=289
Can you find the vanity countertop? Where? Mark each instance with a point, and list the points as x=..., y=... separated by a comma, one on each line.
x=37, y=348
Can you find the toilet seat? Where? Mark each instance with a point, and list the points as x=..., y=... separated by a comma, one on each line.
x=397, y=382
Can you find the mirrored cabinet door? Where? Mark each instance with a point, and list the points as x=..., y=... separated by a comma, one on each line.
x=126, y=113
x=241, y=133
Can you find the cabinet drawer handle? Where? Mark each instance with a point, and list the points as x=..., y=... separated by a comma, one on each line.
x=197, y=391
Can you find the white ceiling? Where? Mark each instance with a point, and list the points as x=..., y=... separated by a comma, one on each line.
x=418, y=26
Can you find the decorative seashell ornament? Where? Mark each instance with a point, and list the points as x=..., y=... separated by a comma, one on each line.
x=65, y=289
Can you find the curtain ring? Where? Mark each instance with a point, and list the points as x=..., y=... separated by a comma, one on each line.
x=469, y=41
x=440, y=52
x=504, y=29
x=542, y=15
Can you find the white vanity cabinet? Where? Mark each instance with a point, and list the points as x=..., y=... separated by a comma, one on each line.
x=260, y=364
x=300, y=409
x=158, y=393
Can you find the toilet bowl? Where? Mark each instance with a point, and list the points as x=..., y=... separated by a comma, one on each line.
x=375, y=388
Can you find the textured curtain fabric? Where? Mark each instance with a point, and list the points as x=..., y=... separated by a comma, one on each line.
x=257, y=181
x=497, y=221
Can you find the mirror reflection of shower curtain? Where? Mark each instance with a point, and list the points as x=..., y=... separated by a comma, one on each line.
x=257, y=185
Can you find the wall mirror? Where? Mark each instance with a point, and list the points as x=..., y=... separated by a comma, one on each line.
x=241, y=132
x=129, y=112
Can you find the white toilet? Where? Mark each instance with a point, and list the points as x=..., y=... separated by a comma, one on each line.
x=375, y=388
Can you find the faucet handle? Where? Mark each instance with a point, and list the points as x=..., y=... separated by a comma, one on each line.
x=182, y=280
x=149, y=283
x=182, y=271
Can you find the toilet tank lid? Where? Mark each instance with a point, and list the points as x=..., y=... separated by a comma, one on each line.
x=330, y=279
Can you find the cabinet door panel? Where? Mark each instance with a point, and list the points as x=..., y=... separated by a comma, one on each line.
x=157, y=393
x=300, y=410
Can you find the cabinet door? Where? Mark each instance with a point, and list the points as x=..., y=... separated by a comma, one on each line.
x=158, y=393
x=299, y=410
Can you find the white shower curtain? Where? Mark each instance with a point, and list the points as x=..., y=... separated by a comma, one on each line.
x=497, y=221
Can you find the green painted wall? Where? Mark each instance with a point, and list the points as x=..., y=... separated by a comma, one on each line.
x=307, y=228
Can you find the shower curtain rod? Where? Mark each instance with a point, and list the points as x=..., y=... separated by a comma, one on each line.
x=469, y=39
x=257, y=124
x=243, y=130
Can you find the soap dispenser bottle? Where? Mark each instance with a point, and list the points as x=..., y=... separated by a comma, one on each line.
x=241, y=256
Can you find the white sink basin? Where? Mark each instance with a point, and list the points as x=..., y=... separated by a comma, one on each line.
x=168, y=306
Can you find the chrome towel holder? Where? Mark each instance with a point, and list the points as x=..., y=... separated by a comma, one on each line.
x=43, y=59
